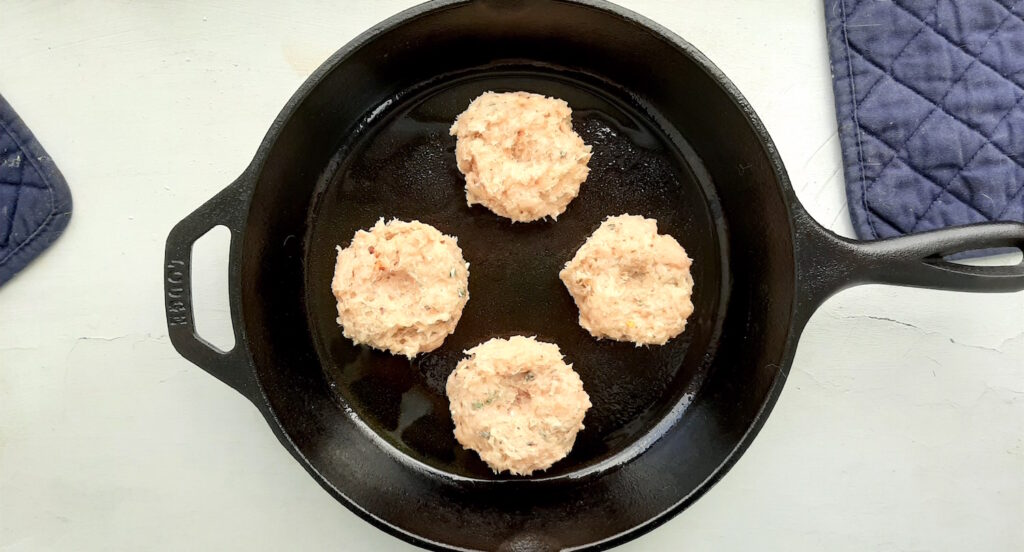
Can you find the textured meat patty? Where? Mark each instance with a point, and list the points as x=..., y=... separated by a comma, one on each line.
x=517, y=404
x=631, y=283
x=520, y=155
x=401, y=287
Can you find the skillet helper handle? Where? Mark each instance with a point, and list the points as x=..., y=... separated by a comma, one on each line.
x=228, y=208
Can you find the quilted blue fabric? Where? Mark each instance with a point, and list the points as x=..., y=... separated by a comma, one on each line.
x=930, y=102
x=35, y=203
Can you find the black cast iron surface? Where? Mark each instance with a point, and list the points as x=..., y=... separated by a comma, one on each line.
x=366, y=137
x=403, y=166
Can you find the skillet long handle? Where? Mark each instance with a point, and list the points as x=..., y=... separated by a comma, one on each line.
x=917, y=260
x=828, y=263
x=227, y=208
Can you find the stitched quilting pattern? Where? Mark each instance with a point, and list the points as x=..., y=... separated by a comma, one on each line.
x=930, y=103
x=35, y=203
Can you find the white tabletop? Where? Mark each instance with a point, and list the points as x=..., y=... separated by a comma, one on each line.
x=901, y=426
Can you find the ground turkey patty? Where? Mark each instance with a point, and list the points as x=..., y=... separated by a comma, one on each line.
x=517, y=404
x=400, y=287
x=520, y=155
x=631, y=283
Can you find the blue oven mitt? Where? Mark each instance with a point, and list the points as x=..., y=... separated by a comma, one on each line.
x=35, y=203
x=930, y=102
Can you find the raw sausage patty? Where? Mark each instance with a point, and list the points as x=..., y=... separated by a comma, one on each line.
x=401, y=287
x=631, y=283
x=517, y=404
x=520, y=155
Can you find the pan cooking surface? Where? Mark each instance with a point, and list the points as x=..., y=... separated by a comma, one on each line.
x=402, y=165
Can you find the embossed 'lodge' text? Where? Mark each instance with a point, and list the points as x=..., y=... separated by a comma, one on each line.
x=177, y=292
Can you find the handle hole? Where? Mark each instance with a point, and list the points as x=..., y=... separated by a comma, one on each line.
x=1003, y=256
x=210, y=305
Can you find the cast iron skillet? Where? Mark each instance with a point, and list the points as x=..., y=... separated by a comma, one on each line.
x=366, y=137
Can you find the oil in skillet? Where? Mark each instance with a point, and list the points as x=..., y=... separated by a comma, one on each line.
x=403, y=165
